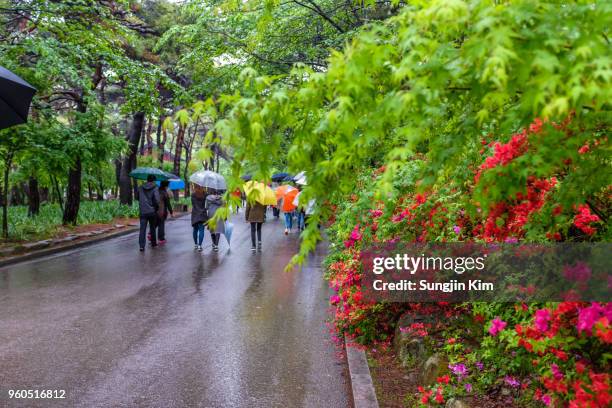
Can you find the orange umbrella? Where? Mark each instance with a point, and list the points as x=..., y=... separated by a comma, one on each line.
x=282, y=190
x=288, y=199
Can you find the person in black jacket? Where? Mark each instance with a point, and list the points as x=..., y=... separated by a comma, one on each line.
x=199, y=216
x=165, y=208
x=148, y=203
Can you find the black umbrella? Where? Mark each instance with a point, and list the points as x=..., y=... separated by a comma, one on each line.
x=246, y=177
x=15, y=97
x=278, y=177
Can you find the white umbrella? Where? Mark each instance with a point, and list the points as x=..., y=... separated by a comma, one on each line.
x=300, y=178
x=209, y=179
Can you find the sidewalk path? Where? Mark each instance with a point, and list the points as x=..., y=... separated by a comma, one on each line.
x=171, y=327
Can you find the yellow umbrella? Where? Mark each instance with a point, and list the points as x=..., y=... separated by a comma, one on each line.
x=260, y=192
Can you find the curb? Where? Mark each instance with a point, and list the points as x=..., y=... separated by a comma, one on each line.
x=54, y=250
x=364, y=395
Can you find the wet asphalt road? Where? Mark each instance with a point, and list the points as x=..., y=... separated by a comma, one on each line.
x=171, y=327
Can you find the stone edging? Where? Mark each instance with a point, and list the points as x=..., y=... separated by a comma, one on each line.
x=364, y=395
x=61, y=248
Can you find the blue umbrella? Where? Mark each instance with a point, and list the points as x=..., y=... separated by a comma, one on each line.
x=175, y=184
x=229, y=227
x=277, y=177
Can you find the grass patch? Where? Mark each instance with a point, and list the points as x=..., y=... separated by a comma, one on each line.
x=49, y=221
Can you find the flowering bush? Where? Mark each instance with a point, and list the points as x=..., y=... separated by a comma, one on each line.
x=554, y=354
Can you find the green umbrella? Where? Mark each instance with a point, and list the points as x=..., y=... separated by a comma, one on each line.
x=171, y=176
x=142, y=173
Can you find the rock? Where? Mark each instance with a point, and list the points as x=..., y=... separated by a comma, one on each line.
x=410, y=349
x=7, y=251
x=65, y=239
x=36, y=245
x=433, y=368
x=455, y=403
x=506, y=391
x=134, y=224
x=119, y=225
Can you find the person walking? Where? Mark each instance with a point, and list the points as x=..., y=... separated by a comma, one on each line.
x=288, y=211
x=148, y=204
x=255, y=214
x=165, y=208
x=199, y=216
x=305, y=211
x=214, y=201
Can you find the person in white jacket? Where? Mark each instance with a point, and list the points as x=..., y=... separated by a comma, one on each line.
x=303, y=212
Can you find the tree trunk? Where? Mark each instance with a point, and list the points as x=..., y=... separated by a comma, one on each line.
x=142, y=138
x=33, y=197
x=73, y=195
x=149, y=138
x=100, y=191
x=129, y=161
x=186, y=172
x=117, y=170
x=217, y=150
x=60, y=199
x=7, y=169
x=17, y=194
x=176, y=168
x=44, y=194
x=161, y=142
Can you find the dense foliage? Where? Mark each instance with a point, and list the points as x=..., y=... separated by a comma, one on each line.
x=443, y=82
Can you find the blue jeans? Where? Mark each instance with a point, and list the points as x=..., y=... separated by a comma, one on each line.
x=300, y=220
x=288, y=220
x=198, y=233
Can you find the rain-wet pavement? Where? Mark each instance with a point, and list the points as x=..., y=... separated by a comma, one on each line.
x=171, y=327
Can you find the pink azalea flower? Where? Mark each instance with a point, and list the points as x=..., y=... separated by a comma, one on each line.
x=459, y=370
x=356, y=235
x=497, y=325
x=512, y=382
x=457, y=229
x=546, y=399
x=542, y=317
x=334, y=300
x=580, y=272
x=588, y=316
x=468, y=387
x=376, y=213
x=556, y=372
